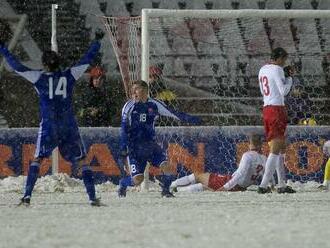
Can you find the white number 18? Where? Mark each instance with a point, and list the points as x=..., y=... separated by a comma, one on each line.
x=143, y=117
x=60, y=88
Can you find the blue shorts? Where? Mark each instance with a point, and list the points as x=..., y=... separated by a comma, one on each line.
x=67, y=139
x=148, y=152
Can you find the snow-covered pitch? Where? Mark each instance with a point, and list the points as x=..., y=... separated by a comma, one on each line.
x=59, y=216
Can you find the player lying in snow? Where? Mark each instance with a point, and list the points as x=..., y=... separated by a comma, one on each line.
x=250, y=169
x=138, y=145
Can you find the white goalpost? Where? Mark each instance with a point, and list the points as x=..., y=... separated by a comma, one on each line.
x=54, y=47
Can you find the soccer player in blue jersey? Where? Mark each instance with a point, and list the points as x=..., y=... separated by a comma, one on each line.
x=138, y=142
x=58, y=127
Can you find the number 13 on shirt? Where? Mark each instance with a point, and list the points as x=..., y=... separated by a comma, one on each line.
x=265, y=86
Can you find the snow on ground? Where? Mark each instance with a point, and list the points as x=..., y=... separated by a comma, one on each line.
x=59, y=216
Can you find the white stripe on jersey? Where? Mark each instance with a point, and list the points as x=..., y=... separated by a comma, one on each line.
x=32, y=76
x=82, y=149
x=127, y=105
x=78, y=71
x=162, y=109
x=37, y=151
x=127, y=110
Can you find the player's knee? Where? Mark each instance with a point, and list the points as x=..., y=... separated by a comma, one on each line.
x=198, y=176
x=165, y=168
x=80, y=162
x=277, y=146
x=138, y=179
x=202, y=178
x=275, y=150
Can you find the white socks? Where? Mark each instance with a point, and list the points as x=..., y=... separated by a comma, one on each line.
x=187, y=184
x=280, y=170
x=198, y=187
x=271, y=164
x=183, y=181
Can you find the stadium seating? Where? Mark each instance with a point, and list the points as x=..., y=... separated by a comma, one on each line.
x=116, y=8
x=275, y=4
x=71, y=26
x=196, y=54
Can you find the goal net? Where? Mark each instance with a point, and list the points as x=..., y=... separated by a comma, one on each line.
x=206, y=62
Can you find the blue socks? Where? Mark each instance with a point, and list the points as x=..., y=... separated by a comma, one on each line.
x=31, y=178
x=87, y=175
x=166, y=180
x=126, y=181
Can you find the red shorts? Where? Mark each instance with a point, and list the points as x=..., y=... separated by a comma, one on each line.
x=216, y=181
x=275, y=121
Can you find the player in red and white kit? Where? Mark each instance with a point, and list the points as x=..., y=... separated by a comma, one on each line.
x=274, y=85
x=250, y=169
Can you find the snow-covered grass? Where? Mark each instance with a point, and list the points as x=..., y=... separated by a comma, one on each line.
x=59, y=216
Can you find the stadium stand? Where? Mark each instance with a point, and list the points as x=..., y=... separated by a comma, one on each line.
x=275, y=4
x=92, y=23
x=70, y=24
x=214, y=73
x=116, y=8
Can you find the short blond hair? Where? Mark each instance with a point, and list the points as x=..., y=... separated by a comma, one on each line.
x=142, y=84
x=255, y=139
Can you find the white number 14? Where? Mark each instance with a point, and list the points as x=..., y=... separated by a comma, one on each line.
x=60, y=88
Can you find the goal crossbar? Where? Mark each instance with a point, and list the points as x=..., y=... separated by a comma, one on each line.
x=278, y=13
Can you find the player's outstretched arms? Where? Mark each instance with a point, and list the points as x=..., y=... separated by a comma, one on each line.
x=3, y=39
x=189, y=118
x=78, y=70
x=99, y=34
x=29, y=74
x=12, y=61
x=164, y=110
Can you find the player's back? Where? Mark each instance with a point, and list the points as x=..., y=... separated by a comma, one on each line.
x=251, y=168
x=55, y=91
x=269, y=76
x=55, y=88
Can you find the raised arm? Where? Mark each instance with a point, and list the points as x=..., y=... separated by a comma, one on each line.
x=166, y=111
x=78, y=70
x=283, y=83
x=240, y=173
x=29, y=74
